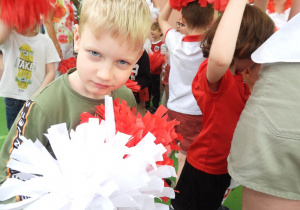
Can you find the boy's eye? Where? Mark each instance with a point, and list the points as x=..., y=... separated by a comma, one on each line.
x=94, y=53
x=122, y=62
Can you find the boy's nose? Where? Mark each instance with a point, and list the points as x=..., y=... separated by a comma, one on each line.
x=105, y=71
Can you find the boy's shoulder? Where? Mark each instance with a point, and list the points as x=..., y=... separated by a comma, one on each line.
x=52, y=92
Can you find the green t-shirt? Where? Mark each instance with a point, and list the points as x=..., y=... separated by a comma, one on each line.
x=57, y=103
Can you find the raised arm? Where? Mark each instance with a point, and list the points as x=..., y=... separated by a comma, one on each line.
x=164, y=17
x=261, y=4
x=52, y=34
x=224, y=42
x=295, y=9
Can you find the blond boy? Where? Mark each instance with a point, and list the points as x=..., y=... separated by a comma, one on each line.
x=109, y=41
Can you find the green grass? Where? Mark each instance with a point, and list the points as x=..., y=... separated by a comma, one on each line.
x=233, y=202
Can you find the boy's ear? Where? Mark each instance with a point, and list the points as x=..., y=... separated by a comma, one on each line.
x=246, y=72
x=76, y=38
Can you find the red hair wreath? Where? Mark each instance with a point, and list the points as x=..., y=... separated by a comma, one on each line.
x=219, y=5
x=23, y=14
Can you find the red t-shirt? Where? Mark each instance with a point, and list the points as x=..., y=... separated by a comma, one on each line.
x=221, y=111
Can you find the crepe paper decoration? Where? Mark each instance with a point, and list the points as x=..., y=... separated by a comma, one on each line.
x=133, y=86
x=271, y=6
x=153, y=10
x=72, y=13
x=66, y=64
x=23, y=14
x=156, y=60
x=89, y=172
x=219, y=5
x=137, y=126
x=165, y=80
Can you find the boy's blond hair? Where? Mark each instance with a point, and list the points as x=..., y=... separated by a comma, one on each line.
x=129, y=20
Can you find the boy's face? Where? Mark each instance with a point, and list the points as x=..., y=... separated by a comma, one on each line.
x=155, y=33
x=180, y=27
x=103, y=64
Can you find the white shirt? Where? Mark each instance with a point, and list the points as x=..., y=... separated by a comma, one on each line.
x=185, y=59
x=25, y=60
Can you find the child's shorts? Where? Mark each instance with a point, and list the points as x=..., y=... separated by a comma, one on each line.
x=189, y=127
x=265, y=151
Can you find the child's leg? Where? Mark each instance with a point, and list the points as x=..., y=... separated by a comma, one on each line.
x=147, y=103
x=183, y=190
x=199, y=190
x=12, y=108
x=141, y=108
x=155, y=90
x=190, y=126
x=181, y=161
x=210, y=190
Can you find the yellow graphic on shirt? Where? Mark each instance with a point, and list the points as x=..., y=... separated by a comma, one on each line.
x=25, y=66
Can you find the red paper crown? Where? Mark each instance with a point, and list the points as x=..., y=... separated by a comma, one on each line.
x=219, y=5
x=23, y=14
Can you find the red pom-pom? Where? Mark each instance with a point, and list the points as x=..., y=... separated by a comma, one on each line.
x=178, y=4
x=137, y=126
x=133, y=86
x=219, y=5
x=67, y=64
x=23, y=14
x=156, y=60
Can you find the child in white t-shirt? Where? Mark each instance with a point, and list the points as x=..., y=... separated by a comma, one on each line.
x=29, y=59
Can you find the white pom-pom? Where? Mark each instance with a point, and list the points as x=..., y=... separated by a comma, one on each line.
x=154, y=11
x=88, y=172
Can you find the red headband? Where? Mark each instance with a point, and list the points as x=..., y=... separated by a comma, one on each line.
x=219, y=5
